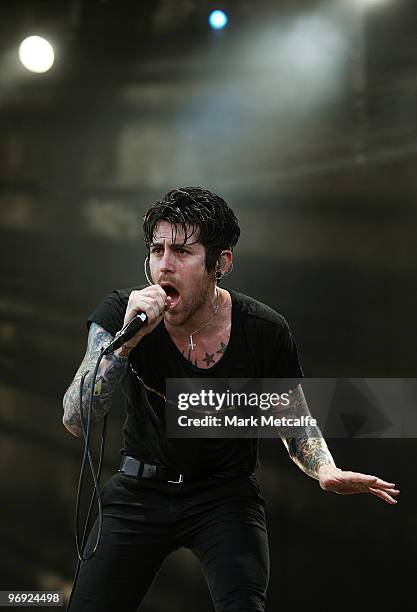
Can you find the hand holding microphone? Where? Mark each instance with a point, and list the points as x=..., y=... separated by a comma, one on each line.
x=144, y=312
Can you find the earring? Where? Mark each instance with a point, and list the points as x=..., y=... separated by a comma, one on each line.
x=145, y=267
x=218, y=275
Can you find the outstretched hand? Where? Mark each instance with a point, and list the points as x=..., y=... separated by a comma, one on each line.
x=343, y=482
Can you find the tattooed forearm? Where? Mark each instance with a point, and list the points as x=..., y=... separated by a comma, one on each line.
x=309, y=454
x=309, y=451
x=111, y=371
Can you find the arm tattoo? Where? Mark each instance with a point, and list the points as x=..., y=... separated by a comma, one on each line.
x=309, y=451
x=309, y=454
x=111, y=371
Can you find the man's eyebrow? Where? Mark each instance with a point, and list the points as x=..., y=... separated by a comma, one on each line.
x=183, y=245
x=174, y=245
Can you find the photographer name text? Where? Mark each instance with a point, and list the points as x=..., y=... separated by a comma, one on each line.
x=252, y=421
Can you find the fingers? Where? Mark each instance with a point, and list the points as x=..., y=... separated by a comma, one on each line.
x=351, y=483
x=384, y=483
x=381, y=488
x=150, y=300
x=152, y=308
x=384, y=495
x=368, y=480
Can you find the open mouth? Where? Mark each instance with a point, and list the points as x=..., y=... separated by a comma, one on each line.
x=172, y=293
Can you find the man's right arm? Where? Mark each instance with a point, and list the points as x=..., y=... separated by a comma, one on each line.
x=153, y=301
x=111, y=371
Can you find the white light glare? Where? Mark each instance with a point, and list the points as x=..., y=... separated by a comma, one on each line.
x=36, y=54
x=218, y=20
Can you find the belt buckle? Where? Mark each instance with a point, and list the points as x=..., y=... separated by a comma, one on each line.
x=181, y=479
x=130, y=466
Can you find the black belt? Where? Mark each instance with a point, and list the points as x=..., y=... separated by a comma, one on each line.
x=133, y=467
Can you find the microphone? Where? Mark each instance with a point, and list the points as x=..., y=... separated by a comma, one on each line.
x=132, y=328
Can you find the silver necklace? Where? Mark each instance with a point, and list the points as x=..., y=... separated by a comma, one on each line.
x=191, y=346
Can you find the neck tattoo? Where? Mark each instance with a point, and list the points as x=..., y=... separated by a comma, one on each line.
x=191, y=345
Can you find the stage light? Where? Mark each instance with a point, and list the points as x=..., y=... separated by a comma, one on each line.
x=218, y=20
x=36, y=54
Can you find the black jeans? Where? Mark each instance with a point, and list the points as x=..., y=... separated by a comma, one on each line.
x=221, y=520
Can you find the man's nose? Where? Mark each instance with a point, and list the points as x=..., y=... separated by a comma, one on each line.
x=167, y=261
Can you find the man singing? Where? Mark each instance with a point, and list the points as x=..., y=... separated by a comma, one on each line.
x=200, y=494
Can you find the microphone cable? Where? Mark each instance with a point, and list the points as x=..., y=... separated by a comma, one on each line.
x=127, y=332
x=86, y=431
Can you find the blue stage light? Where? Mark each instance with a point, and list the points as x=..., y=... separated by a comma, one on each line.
x=218, y=20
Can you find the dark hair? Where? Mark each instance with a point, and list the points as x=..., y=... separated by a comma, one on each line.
x=207, y=215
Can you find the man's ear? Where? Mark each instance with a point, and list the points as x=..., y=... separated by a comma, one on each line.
x=225, y=262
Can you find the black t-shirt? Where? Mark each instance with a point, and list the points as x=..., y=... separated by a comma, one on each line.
x=260, y=345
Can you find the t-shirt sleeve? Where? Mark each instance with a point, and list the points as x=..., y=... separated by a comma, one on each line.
x=110, y=313
x=285, y=362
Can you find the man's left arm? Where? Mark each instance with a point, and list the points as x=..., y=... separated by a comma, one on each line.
x=311, y=454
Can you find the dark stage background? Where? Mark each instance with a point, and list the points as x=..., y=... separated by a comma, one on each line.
x=303, y=116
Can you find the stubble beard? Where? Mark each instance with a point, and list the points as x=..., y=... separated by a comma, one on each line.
x=189, y=307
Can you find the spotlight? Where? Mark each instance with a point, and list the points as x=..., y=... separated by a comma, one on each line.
x=218, y=20
x=36, y=54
